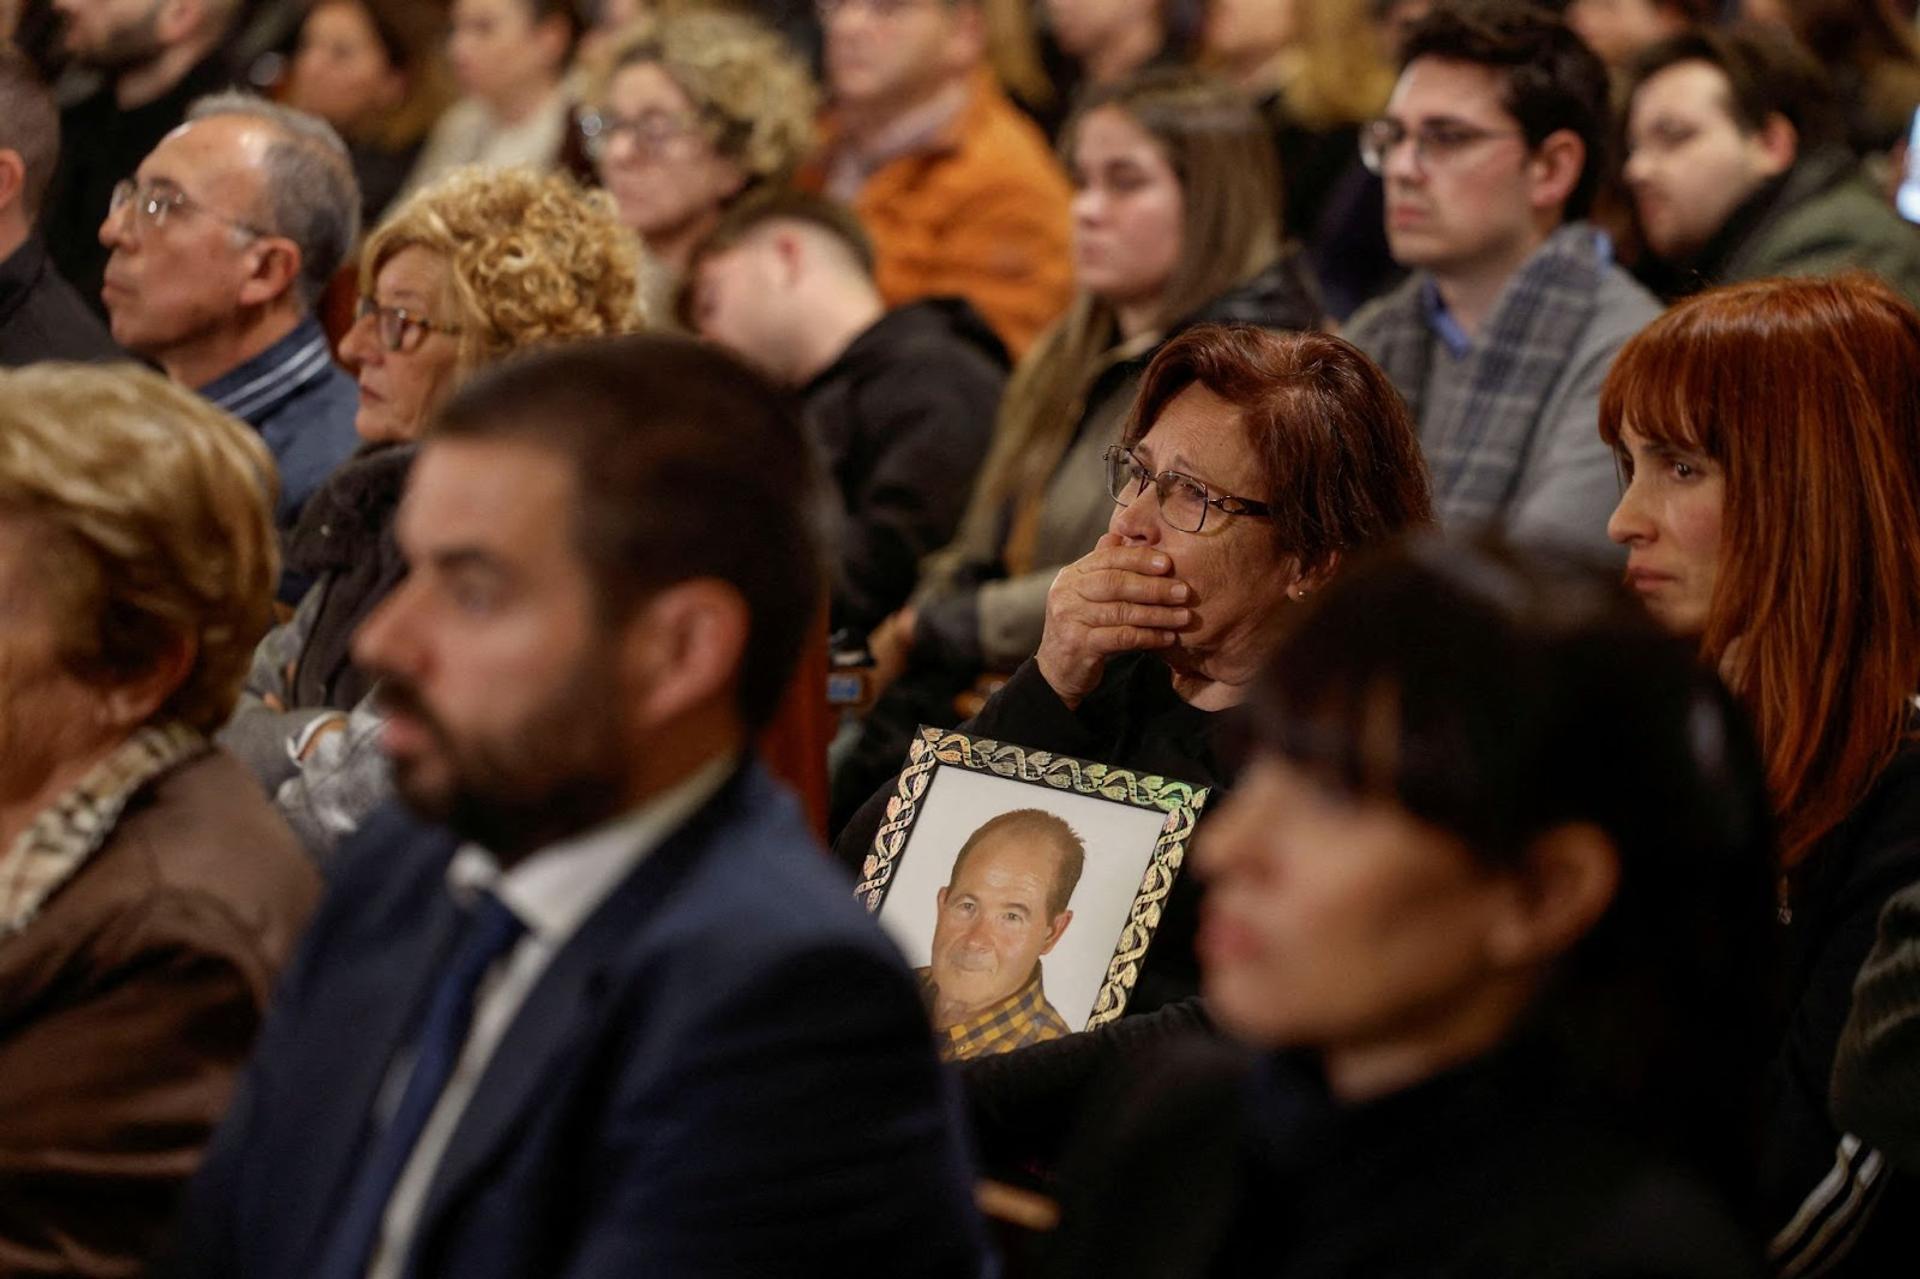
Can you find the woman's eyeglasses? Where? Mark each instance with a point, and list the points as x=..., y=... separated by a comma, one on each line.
x=400, y=330
x=1184, y=501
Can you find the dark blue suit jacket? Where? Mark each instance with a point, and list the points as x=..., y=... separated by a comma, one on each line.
x=727, y=1071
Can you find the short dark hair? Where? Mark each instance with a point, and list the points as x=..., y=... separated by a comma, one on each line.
x=29, y=124
x=1550, y=79
x=1339, y=456
x=1768, y=73
x=689, y=465
x=775, y=204
x=1035, y=824
x=1499, y=694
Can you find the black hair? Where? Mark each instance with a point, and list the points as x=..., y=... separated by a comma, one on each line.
x=1768, y=73
x=1550, y=79
x=1499, y=695
x=689, y=465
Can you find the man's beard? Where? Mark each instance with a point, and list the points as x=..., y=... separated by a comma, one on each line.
x=559, y=772
x=127, y=48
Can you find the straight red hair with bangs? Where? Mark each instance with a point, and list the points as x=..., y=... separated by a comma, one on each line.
x=1807, y=394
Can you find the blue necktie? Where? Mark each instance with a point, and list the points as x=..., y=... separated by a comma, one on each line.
x=491, y=930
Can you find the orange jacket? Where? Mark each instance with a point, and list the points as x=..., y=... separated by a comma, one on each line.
x=982, y=214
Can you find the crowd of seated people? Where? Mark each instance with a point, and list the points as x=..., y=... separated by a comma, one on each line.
x=493, y=491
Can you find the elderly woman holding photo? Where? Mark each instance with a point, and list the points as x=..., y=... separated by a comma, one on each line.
x=1253, y=462
x=148, y=893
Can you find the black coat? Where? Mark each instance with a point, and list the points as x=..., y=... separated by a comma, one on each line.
x=1203, y=1160
x=903, y=419
x=1846, y=1200
x=42, y=318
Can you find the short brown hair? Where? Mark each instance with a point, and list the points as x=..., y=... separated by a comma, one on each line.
x=689, y=465
x=1340, y=461
x=29, y=124
x=157, y=513
x=1039, y=826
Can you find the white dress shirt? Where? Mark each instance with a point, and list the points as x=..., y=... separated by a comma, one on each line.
x=552, y=892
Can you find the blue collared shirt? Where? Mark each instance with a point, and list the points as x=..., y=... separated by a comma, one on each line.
x=303, y=405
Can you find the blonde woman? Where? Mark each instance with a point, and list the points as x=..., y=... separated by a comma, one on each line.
x=698, y=107
x=474, y=268
x=148, y=893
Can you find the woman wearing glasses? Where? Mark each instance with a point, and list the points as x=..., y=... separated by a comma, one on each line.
x=1252, y=463
x=699, y=107
x=474, y=268
x=1176, y=222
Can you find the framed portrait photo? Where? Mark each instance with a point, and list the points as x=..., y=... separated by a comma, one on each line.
x=1023, y=886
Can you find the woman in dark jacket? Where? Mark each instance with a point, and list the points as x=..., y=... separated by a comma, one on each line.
x=1770, y=433
x=1175, y=223
x=1488, y=907
x=1252, y=462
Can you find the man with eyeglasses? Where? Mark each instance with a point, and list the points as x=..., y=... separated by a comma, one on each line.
x=959, y=191
x=154, y=58
x=1491, y=151
x=222, y=242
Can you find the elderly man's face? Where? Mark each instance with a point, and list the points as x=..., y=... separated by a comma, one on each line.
x=49, y=719
x=171, y=286
x=992, y=923
x=502, y=683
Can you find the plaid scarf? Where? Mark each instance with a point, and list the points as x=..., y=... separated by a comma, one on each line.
x=1477, y=435
x=67, y=832
x=1022, y=1018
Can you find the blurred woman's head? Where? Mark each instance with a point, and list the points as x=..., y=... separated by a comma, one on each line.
x=137, y=562
x=476, y=266
x=510, y=54
x=1177, y=195
x=1271, y=456
x=1769, y=438
x=698, y=106
x=371, y=68
x=1489, y=799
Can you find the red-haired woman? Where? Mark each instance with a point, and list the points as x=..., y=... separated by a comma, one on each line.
x=1769, y=435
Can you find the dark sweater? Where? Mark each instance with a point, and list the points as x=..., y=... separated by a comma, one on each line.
x=1834, y=901
x=42, y=318
x=903, y=418
x=1251, y=1167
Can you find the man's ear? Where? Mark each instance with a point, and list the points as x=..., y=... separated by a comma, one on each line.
x=1056, y=930
x=275, y=272
x=1779, y=145
x=1556, y=167
x=1565, y=883
x=683, y=648
x=13, y=185
x=131, y=702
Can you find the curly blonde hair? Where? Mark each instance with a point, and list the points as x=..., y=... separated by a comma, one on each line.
x=151, y=517
x=533, y=258
x=740, y=75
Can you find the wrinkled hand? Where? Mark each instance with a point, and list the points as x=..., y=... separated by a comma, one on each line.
x=1118, y=599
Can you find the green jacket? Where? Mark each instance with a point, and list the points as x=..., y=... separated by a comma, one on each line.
x=1821, y=217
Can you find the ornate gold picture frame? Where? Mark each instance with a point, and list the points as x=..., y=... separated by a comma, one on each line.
x=1132, y=830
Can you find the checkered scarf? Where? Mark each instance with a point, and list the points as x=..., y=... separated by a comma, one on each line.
x=70, y=830
x=1022, y=1018
x=1476, y=437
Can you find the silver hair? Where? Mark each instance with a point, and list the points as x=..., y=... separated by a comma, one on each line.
x=308, y=191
